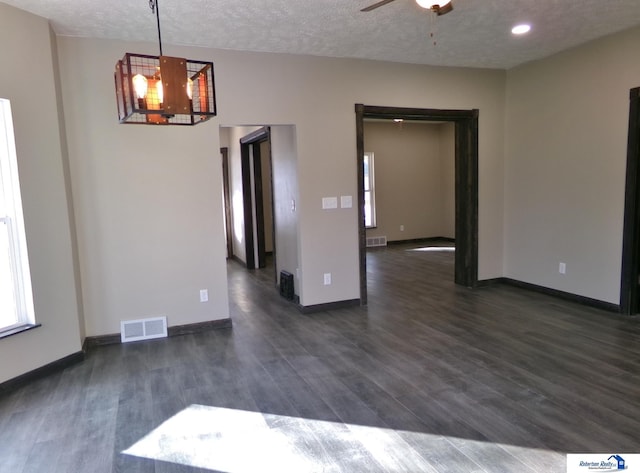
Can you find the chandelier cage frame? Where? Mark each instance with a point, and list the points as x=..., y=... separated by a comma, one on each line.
x=164, y=90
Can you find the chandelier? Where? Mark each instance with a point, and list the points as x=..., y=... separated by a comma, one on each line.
x=164, y=90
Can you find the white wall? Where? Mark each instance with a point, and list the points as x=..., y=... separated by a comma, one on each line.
x=567, y=121
x=413, y=183
x=27, y=79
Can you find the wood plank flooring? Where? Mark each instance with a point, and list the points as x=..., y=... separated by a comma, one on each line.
x=430, y=377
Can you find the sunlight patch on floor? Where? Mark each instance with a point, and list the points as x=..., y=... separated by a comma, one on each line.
x=443, y=249
x=237, y=441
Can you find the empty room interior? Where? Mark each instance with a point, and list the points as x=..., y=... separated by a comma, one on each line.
x=400, y=236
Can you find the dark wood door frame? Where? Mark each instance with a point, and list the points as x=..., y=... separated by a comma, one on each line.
x=250, y=154
x=629, y=291
x=227, y=200
x=466, y=184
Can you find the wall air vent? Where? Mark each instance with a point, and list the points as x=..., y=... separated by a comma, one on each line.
x=376, y=241
x=143, y=329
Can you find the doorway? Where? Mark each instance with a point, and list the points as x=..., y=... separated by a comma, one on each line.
x=466, y=184
x=257, y=178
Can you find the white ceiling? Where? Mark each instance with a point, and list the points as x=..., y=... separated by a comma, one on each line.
x=477, y=33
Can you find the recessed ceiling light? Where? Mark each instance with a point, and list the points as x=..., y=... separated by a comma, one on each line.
x=521, y=29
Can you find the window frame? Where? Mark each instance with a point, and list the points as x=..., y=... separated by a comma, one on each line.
x=11, y=217
x=369, y=164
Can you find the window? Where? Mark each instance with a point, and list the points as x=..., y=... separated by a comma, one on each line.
x=369, y=192
x=16, y=299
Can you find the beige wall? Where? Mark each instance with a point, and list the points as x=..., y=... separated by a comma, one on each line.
x=413, y=182
x=148, y=204
x=116, y=165
x=27, y=79
x=448, y=178
x=567, y=120
x=147, y=200
x=284, y=156
x=267, y=193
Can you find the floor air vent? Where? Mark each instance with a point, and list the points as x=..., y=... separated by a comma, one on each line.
x=376, y=241
x=143, y=329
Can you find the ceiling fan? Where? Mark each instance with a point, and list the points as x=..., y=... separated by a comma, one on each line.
x=439, y=7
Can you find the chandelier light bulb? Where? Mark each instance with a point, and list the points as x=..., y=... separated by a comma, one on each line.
x=190, y=89
x=160, y=91
x=140, y=85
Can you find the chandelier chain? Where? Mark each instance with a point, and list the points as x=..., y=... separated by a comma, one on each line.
x=153, y=4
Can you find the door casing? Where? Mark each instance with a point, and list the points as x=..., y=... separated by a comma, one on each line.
x=251, y=159
x=224, y=153
x=466, y=184
x=629, y=277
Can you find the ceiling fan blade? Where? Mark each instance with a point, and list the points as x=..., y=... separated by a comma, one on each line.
x=376, y=5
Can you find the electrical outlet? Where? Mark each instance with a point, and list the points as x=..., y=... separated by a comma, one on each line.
x=327, y=279
x=562, y=268
x=402, y=228
x=204, y=295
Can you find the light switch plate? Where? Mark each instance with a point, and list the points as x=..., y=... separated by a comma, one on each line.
x=329, y=203
x=346, y=201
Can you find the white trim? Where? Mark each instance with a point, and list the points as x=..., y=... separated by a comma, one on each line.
x=368, y=156
x=143, y=329
x=11, y=209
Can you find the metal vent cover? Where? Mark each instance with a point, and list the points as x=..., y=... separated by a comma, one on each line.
x=286, y=285
x=143, y=329
x=376, y=241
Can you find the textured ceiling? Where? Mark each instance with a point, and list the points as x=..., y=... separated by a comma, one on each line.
x=477, y=33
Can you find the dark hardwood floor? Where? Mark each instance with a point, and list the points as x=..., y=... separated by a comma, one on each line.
x=430, y=377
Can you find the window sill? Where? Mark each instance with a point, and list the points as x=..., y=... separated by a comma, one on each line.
x=16, y=330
